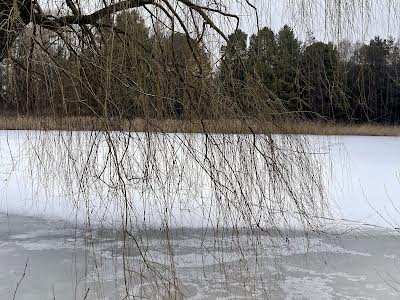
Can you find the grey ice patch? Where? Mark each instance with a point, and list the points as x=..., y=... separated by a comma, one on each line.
x=312, y=288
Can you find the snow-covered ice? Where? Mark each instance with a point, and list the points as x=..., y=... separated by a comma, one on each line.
x=40, y=218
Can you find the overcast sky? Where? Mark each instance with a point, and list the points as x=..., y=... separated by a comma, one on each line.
x=327, y=20
x=356, y=20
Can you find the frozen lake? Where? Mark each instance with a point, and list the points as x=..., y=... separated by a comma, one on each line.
x=361, y=266
x=42, y=225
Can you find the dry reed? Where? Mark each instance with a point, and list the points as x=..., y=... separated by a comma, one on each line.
x=51, y=123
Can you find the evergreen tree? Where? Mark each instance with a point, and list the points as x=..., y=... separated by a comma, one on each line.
x=288, y=53
x=234, y=57
x=319, y=80
x=263, y=58
x=233, y=68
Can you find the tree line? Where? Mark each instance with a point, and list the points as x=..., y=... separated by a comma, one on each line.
x=130, y=70
x=344, y=83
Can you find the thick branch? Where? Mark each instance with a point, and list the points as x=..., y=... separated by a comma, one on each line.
x=16, y=15
x=90, y=19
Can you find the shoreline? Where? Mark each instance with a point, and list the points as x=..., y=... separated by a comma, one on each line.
x=196, y=126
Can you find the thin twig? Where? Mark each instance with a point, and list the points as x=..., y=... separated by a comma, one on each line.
x=22, y=278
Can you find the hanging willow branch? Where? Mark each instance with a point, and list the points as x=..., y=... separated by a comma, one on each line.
x=16, y=15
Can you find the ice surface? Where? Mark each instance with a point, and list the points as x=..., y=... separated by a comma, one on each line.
x=363, y=180
x=363, y=188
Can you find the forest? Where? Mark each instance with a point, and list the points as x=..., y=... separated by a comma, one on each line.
x=128, y=69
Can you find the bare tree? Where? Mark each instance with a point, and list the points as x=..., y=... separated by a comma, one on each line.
x=16, y=15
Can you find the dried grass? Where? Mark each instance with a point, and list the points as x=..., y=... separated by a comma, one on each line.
x=196, y=126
